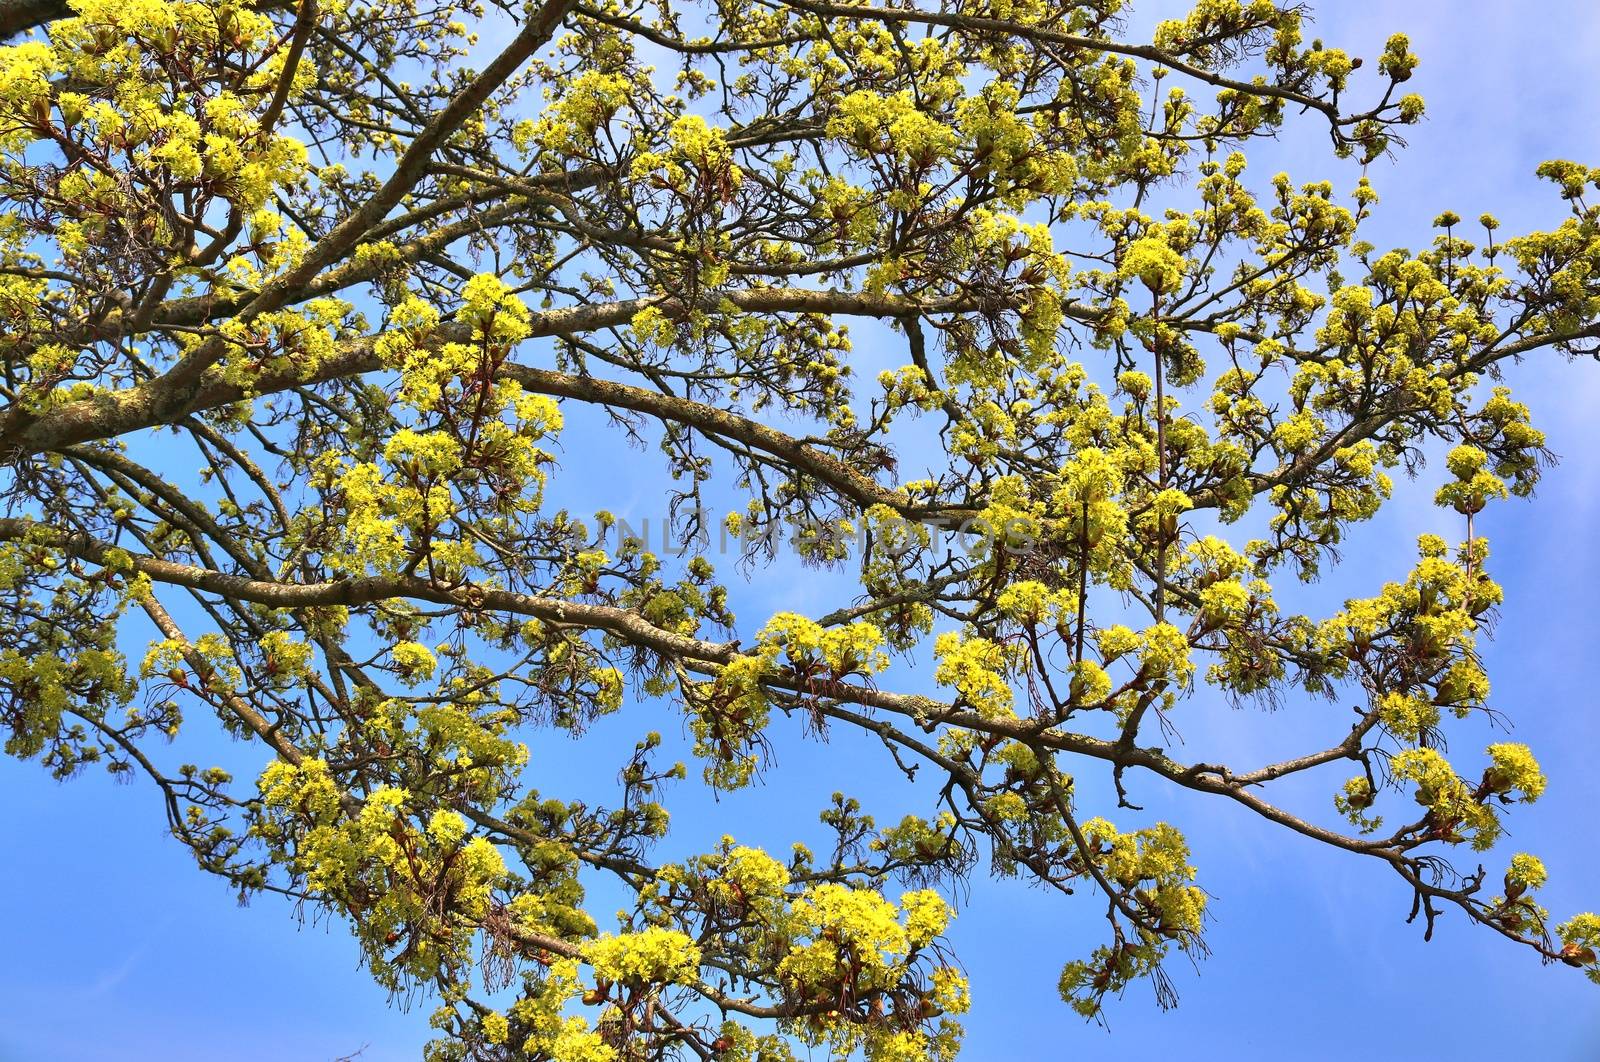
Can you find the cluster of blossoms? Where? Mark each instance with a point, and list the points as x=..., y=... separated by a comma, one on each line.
x=1189, y=403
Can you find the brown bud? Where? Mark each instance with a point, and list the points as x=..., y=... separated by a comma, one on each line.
x=1576, y=955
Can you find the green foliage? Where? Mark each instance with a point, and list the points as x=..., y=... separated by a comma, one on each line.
x=362, y=259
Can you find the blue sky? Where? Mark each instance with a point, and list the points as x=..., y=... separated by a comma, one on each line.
x=120, y=949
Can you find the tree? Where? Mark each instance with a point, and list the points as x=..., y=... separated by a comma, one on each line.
x=356, y=259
